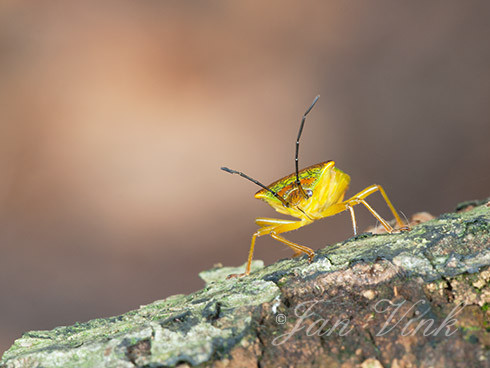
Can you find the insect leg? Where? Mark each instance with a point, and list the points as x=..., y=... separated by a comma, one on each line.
x=374, y=188
x=293, y=225
x=273, y=227
x=385, y=224
x=353, y=217
x=359, y=198
x=298, y=249
x=266, y=221
x=262, y=231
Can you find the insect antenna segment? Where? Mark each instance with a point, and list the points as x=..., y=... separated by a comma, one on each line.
x=283, y=201
x=297, y=182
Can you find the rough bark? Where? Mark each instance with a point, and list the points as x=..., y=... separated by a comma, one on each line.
x=417, y=298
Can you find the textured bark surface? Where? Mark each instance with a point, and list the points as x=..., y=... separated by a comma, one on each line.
x=417, y=298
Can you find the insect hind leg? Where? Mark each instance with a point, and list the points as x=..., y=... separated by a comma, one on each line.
x=359, y=198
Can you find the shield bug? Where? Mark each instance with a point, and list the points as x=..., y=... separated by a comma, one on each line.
x=310, y=194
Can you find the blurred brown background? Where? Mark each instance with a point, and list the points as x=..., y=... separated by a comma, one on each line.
x=116, y=118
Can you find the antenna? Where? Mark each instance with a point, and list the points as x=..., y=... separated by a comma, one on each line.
x=297, y=182
x=286, y=204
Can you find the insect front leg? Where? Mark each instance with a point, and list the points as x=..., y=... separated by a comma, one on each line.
x=281, y=226
x=265, y=229
x=273, y=227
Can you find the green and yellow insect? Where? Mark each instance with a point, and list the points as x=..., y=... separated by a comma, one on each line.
x=310, y=194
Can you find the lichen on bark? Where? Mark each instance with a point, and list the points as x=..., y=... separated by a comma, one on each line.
x=332, y=312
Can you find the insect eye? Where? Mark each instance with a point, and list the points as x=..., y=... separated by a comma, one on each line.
x=309, y=192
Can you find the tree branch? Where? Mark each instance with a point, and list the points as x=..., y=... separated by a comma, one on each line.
x=433, y=281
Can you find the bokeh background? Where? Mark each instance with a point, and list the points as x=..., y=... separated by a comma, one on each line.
x=115, y=118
